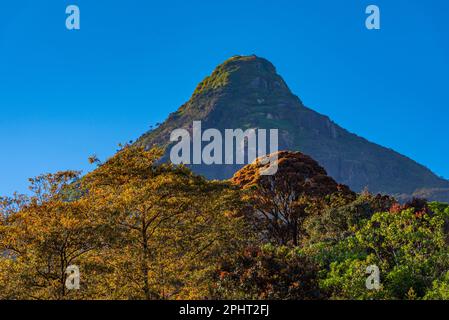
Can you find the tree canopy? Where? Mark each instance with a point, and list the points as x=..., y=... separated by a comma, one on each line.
x=138, y=228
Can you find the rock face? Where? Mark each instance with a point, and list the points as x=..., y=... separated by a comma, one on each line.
x=246, y=92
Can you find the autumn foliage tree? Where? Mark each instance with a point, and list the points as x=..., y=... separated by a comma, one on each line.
x=136, y=228
x=282, y=200
x=41, y=235
x=172, y=225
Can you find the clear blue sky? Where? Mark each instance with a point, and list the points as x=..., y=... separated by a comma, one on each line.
x=65, y=95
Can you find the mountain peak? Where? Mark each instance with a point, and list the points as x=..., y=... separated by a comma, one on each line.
x=245, y=92
x=252, y=61
x=242, y=73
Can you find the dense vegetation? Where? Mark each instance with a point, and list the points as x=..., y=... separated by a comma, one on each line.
x=141, y=229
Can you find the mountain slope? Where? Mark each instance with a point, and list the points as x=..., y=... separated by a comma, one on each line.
x=246, y=92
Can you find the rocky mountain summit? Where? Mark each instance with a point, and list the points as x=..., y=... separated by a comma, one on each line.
x=246, y=92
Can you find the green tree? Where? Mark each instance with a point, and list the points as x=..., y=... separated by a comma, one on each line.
x=409, y=247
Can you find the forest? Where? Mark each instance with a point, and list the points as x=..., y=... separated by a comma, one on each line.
x=141, y=229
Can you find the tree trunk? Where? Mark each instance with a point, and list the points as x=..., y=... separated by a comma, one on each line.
x=144, y=266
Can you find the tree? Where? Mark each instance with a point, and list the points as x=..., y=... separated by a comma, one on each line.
x=283, y=201
x=267, y=272
x=173, y=225
x=42, y=235
x=341, y=218
x=410, y=250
